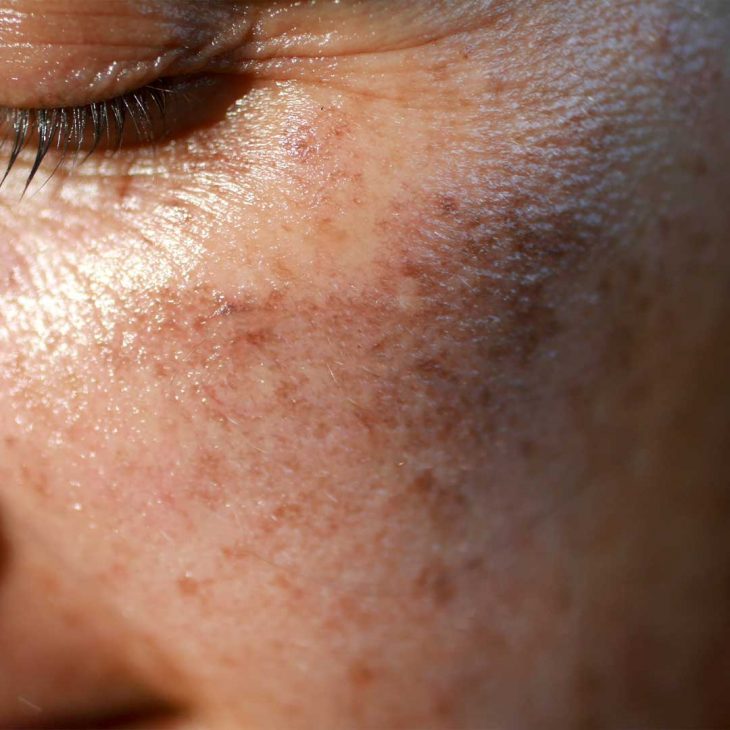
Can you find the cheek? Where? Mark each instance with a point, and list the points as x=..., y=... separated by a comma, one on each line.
x=332, y=348
x=347, y=376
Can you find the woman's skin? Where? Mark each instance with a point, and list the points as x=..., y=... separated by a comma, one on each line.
x=393, y=391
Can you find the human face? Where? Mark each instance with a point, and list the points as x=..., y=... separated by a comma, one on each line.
x=389, y=388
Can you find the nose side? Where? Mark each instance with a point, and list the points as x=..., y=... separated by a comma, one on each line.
x=65, y=660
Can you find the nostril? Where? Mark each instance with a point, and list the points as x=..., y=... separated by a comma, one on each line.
x=68, y=661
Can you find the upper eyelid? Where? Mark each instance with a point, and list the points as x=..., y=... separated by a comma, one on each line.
x=102, y=60
x=230, y=36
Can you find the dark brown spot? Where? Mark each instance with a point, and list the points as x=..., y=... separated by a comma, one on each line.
x=444, y=708
x=361, y=675
x=445, y=503
x=290, y=513
x=436, y=583
x=447, y=205
x=188, y=586
x=35, y=479
x=301, y=143
x=236, y=552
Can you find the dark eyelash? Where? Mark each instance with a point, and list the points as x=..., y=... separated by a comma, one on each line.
x=69, y=129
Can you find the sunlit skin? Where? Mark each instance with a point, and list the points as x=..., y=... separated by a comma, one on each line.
x=393, y=392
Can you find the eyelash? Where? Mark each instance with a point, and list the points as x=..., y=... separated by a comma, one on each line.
x=67, y=129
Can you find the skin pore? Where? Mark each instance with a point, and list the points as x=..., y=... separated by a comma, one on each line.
x=394, y=394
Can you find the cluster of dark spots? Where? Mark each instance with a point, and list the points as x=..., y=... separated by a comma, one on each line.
x=441, y=498
x=444, y=503
x=311, y=140
x=236, y=552
x=350, y=612
x=486, y=274
x=447, y=205
x=301, y=143
x=10, y=443
x=437, y=584
x=313, y=513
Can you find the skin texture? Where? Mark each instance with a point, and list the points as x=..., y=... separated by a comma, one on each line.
x=396, y=396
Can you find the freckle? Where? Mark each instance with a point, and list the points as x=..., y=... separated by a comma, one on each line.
x=301, y=143
x=497, y=86
x=435, y=582
x=444, y=708
x=258, y=338
x=350, y=611
x=73, y=618
x=447, y=205
x=361, y=675
x=699, y=166
x=49, y=583
x=236, y=552
x=282, y=582
x=418, y=271
x=366, y=418
x=188, y=586
x=162, y=370
x=119, y=570
x=433, y=367
x=423, y=484
x=37, y=481
x=341, y=129
x=290, y=513
x=474, y=564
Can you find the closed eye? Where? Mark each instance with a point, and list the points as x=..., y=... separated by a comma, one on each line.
x=147, y=116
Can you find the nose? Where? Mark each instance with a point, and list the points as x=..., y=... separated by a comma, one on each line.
x=64, y=658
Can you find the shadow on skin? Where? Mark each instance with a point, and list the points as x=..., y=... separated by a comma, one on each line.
x=5, y=551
